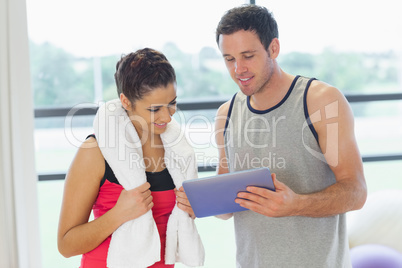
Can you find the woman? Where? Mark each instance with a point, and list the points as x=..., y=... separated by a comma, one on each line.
x=98, y=178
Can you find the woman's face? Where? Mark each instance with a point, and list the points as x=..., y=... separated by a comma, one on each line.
x=151, y=114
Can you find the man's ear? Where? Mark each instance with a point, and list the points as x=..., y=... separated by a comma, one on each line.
x=274, y=48
x=125, y=102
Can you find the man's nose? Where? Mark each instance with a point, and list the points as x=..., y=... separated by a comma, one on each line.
x=240, y=67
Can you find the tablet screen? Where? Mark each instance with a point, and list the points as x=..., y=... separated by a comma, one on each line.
x=216, y=195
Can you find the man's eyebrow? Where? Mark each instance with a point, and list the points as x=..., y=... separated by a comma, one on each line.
x=244, y=52
x=248, y=51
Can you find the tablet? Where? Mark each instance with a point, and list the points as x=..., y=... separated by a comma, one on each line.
x=216, y=195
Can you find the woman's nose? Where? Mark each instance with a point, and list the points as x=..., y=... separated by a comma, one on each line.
x=166, y=115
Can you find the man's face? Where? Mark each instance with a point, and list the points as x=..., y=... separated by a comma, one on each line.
x=247, y=61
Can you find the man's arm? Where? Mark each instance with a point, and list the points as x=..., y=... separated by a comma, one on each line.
x=220, y=122
x=333, y=121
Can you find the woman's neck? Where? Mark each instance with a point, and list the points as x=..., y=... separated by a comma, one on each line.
x=153, y=154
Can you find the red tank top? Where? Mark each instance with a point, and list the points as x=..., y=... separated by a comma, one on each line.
x=109, y=192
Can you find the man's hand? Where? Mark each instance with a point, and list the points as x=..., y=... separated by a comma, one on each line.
x=278, y=203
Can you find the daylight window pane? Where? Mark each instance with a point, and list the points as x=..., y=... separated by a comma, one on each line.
x=326, y=40
x=378, y=127
x=74, y=46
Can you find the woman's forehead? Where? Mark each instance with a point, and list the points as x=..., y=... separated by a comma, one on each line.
x=159, y=96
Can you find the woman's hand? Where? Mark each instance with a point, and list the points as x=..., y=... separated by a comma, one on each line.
x=134, y=203
x=183, y=203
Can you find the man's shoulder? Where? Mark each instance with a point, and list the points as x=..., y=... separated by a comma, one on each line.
x=321, y=91
x=224, y=108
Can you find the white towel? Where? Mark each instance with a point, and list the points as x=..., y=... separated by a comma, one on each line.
x=136, y=243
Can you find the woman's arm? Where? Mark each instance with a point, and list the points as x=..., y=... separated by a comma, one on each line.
x=75, y=234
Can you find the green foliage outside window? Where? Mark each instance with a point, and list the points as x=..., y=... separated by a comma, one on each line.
x=61, y=79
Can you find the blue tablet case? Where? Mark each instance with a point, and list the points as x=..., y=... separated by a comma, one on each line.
x=216, y=195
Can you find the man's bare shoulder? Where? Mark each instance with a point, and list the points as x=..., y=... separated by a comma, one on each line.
x=321, y=92
x=223, y=109
x=221, y=116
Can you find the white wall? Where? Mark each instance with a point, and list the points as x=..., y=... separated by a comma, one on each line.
x=19, y=237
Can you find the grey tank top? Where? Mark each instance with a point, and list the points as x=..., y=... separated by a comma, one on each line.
x=283, y=139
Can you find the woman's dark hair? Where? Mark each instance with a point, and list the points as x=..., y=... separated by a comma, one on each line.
x=140, y=72
x=249, y=18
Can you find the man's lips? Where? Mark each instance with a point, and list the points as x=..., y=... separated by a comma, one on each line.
x=245, y=80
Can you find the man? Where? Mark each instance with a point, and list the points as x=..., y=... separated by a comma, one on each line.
x=303, y=130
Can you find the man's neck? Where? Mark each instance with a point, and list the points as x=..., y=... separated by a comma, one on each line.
x=273, y=92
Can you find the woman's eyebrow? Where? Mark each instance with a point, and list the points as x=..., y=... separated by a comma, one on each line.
x=173, y=100
x=159, y=105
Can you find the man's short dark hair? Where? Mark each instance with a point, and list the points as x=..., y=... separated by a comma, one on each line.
x=249, y=18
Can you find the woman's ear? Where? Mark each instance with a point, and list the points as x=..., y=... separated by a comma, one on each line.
x=125, y=102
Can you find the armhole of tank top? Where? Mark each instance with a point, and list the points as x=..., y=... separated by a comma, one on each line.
x=108, y=173
x=306, y=114
x=106, y=164
x=229, y=114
